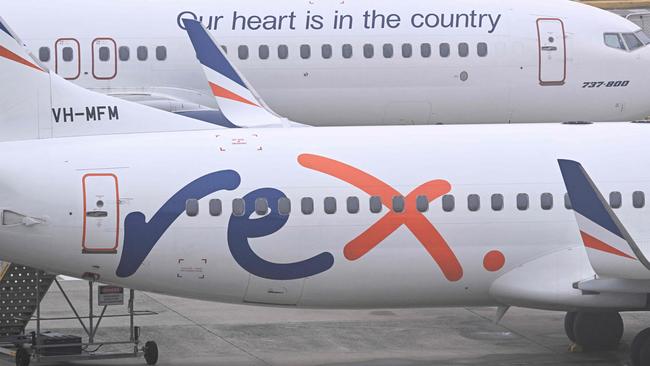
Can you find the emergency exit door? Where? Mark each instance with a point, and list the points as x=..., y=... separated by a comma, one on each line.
x=101, y=213
x=104, y=59
x=552, y=51
x=67, y=58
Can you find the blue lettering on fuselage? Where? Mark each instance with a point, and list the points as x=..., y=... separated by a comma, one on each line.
x=140, y=236
x=241, y=228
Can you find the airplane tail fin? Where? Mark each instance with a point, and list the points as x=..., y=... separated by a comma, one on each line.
x=20, y=76
x=237, y=98
x=611, y=250
x=36, y=103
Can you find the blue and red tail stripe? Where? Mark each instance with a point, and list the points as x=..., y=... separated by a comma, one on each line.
x=599, y=226
x=208, y=53
x=6, y=53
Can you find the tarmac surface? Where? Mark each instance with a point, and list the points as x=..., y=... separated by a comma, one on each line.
x=192, y=332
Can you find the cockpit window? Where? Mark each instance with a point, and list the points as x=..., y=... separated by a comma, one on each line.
x=643, y=37
x=614, y=40
x=627, y=41
x=632, y=41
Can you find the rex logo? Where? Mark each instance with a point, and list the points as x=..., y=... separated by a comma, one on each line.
x=141, y=236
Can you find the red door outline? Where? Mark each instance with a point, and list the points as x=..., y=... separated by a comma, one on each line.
x=56, y=57
x=107, y=250
x=539, y=52
x=114, y=55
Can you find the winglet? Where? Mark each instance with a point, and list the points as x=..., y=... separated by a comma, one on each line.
x=12, y=48
x=602, y=232
x=237, y=99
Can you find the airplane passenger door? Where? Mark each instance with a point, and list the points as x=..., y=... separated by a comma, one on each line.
x=67, y=58
x=104, y=59
x=552, y=51
x=101, y=214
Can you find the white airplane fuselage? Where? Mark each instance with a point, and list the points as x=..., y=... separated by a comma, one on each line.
x=544, y=61
x=98, y=205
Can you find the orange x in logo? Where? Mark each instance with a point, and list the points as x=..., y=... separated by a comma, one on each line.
x=414, y=220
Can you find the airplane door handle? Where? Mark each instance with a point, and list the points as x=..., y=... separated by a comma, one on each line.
x=549, y=48
x=97, y=214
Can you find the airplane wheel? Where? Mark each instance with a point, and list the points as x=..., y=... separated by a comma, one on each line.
x=569, y=321
x=22, y=357
x=598, y=331
x=640, y=342
x=151, y=353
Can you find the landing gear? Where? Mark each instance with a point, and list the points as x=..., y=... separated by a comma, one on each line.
x=22, y=357
x=569, y=321
x=595, y=331
x=640, y=349
x=151, y=353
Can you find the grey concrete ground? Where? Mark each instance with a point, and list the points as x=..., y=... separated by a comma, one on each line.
x=199, y=333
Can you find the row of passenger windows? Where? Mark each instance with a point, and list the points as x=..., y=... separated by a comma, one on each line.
x=496, y=203
x=387, y=50
x=104, y=53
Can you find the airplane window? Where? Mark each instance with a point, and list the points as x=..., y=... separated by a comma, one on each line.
x=616, y=199
x=388, y=50
x=261, y=206
x=614, y=40
x=422, y=203
x=330, y=205
x=284, y=206
x=445, y=50
x=425, y=50
x=68, y=54
x=305, y=51
x=243, y=52
x=523, y=202
x=407, y=50
x=368, y=51
x=161, y=53
x=347, y=51
x=238, y=207
x=264, y=52
x=567, y=202
x=353, y=205
x=497, y=202
x=474, y=202
x=375, y=204
x=547, y=201
x=632, y=41
x=124, y=53
x=638, y=199
x=44, y=54
x=104, y=54
x=283, y=52
x=192, y=207
x=143, y=53
x=482, y=49
x=216, y=208
x=326, y=51
x=307, y=205
x=643, y=37
x=463, y=49
x=448, y=203
x=398, y=204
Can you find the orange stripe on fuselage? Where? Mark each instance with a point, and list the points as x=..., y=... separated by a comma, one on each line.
x=14, y=57
x=227, y=94
x=593, y=243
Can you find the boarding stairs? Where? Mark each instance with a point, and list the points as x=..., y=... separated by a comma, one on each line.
x=21, y=290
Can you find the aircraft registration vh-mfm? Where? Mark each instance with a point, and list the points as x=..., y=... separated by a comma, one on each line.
x=363, y=62
x=356, y=217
